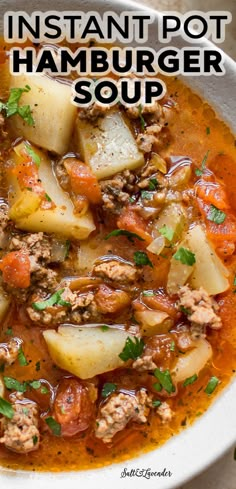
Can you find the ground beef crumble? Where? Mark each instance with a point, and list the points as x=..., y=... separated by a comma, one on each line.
x=21, y=433
x=9, y=351
x=121, y=408
x=116, y=271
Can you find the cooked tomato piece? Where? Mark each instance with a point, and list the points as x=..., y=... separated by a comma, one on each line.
x=162, y=302
x=82, y=180
x=110, y=301
x=225, y=231
x=73, y=406
x=15, y=267
x=131, y=221
x=212, y=193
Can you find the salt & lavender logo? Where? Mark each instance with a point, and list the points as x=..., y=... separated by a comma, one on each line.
x=145, y=473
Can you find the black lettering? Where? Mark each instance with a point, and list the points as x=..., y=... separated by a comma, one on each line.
x=82, y=89
x=145, y=59
x=112, y=22
x=193, y=34
x=141, y=19
x=89, y=29
x=52, y=26
x=47, y=62
x=166, y=63
x=72, y=19
x=212, y=58
x=17, y=61
x=106, y=99
x=154, y=89
x=74, y=59
x=218, y=19
x=99, y=63
x=10, y=28
x=124, y=66
x=170, y=28
x=34, y=30
x=191, y=57
x=125, y=84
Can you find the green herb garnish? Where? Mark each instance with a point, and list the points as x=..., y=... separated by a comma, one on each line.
x=35, y=440
x=200, y=171
x=142, y=120
x=67, y=248
x=153, y=184
x=167, y=232
x=44, y=390
x=6, y=408
x=14, y=384
x=148, y=293
x=165, y=380
x=156, y=403
x=9, y=332
x=208, y=130
x=35, y=384
x=185, y=256
x=108, y=389
x=55, y=299
x=185, y=310
x=212, y=384
x=172, y=346
x=123, y=232
x=11, y=107
x=48, y=198
x=104, y=327
x=216, y=215
x=190, y=380
x=54, y=426
x=141, y=258
x=21, y=358
x=145, y=194
x=35, y=158
x=37, y=366
x=133, y=349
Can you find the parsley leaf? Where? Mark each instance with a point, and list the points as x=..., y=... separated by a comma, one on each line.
x=55, y=299
x=35, y=440
x=185, y=256
x=48, y=198
x=185, y=310
x=11, y=107
x=21, y=358
x=108, y=389
x=44, y=390
x=123, y=232
x=35, y=158
x=9, y=332
x=35, y=384
x=208, y=130
x=54, y=426
x=153, y=184
x=172, y=346
x=141, y=258
x=146, y=195
x=167, y=232
x=14, y=384
x=199, y=171
x=216, y=215
x=190, y=380
x=212, y=384
x=6, y=408
x=165, y=380
x=67, y=248
x=142, y=120
x=104, y=327
x=156, y=403
x=37, y=366
x=132, y=349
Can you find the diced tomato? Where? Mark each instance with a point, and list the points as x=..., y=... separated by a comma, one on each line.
x=160, y=301
x=110, y=301
x=82, y=180
x=212, y=193
x=15, y=267
x=227, y=248
x=73, y=406
x=131, y=221
x=226, y=231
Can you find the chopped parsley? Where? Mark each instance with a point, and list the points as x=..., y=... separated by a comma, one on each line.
x=67, y=248
x=13, y=384
x=216, y=215
x=35, y=158
x=190, y=380
x=185, y=256
x=208, y=130
x=35, y=384
x=108, y=389
x=37, y=366
x=234, y=282
x=11, y=107
x=185, y=310
x=123, y=232
x=54, y=426
x=21, y=358
x=55, y=299
x=104, y=327
x=172, y=346
x=200, y=171
x=35, y=440
x=212, y=384
x=167, y=232
x=145, y=194
x=156, y=403
x=6, y=408
x=48, y=198
x=44, y=390
x=165, y=380
x=142, y=120
x=9, y=332
x=153, y=184
x=148, y=293
x=141, y=258
x=133, y=349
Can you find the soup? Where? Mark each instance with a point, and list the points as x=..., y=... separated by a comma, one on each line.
x=117, y=294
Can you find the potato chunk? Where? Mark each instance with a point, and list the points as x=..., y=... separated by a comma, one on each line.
x=86, y=351
x=108, y=145
x=52, y=111
x=60, y=219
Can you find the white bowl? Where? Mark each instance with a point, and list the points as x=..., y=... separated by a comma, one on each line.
x=190, y=452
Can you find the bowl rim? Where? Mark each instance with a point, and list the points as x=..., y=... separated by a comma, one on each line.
x=192, y=450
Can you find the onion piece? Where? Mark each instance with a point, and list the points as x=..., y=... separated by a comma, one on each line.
x=191, y=363
x=157, y=245
x=153, y=322
x=59, y=250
